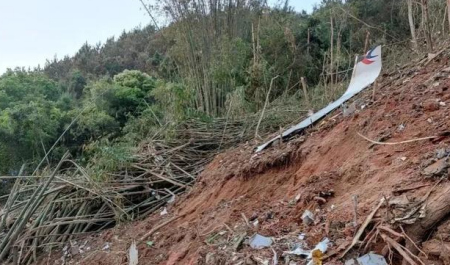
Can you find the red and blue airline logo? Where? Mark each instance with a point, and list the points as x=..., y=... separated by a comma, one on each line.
x=368, y=59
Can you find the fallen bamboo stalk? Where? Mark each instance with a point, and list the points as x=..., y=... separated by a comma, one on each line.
x=397, y=143
x=162, y=177
x=362, y=228
x=11, y=236
x=399, y=249
x=156, y=228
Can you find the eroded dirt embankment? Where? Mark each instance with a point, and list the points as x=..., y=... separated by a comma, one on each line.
x=320, y=171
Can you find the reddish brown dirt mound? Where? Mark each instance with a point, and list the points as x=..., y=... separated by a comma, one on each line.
x=319, y=171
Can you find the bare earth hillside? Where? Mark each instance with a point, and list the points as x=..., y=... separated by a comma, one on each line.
x=241, y=193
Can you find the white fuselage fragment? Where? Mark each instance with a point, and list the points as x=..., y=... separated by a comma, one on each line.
x=364, y=74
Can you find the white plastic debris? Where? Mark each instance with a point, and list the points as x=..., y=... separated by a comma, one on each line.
x=368, y=259
x=308, y=217
x=172, y=199
x=164, y=211
x=258, y=241
x=256, y=223
x=106, y=246
x=322, y=246
x=442, y=103
x=298, y=251
x=133, y=255
x=302, y=236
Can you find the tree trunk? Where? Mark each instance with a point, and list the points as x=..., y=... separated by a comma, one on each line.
x=331, y=51
x=305, y=92
x=412, y=27
x=366, y=43
x=448, y=13
x=426, y=25
x=308, y=41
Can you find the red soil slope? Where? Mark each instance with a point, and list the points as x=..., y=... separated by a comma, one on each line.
x=330, y=161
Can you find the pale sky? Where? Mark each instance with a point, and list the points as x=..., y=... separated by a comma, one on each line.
x=32, y=31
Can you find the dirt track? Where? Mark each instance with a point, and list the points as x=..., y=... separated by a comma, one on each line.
x=331, y=161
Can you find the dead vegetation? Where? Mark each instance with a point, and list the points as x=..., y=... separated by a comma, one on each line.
x=45, y=211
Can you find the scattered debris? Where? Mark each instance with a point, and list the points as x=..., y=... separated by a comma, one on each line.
x=322, y=247
x=164, y=211
x=258, y=241
x=302, y=236
x=313, y=255
x=106, y=247
x=279, y=211
x=172, y=199
x=308, y=217
x=317, y=257
x=133, y=256
x=348, y=110
x=298, y=251
x=363, y=227
x=368, y=259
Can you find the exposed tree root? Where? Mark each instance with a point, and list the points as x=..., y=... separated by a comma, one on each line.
x=438, y=207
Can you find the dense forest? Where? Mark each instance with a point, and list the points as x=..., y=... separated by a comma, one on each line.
x=214, y=59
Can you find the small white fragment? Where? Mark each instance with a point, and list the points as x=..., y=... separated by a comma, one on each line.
x=164, y=211
x=302, y=236
x=308, y=217
x=322, y=246
x=298, y=251
x=258, y=241
x=106, y=246
x=368, y=259
x=133, y=255
x=172, y=199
